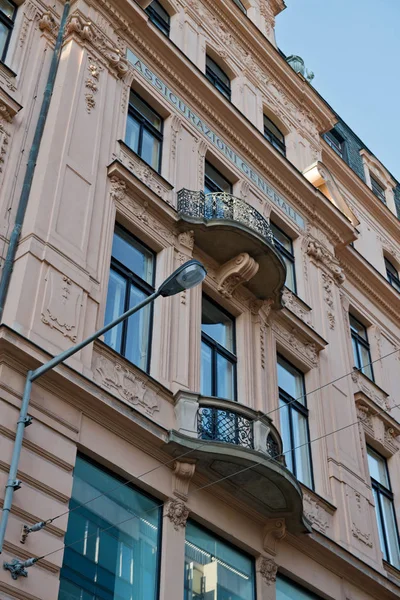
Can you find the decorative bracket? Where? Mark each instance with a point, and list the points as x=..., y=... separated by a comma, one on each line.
x=184, y=472
x=234, y=272
x=274, y=531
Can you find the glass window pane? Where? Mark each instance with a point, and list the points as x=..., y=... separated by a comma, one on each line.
x=285, y=433
x=358, y=327
x=290, y=281
x=268, y=124
x=282, y=238
x=217, y=71
x=206, y=370
x=290, y=380
x=121, y=562
x=115, y=306
x=133, y=255
x=145, y=110
x=225, y=378
x=7, y=8
x=218, y=325
x=150, y=150
x=366, y=367
x=132, y=133
x=377, y=468
x=302, y=450
x=4, y=32
x=379, y=523
x=288, y=590
x=215, y=569
x=138, y=330
x=220, y=183
x=355, y=353
x=389, y=523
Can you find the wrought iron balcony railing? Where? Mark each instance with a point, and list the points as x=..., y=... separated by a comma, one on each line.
x=220, y=205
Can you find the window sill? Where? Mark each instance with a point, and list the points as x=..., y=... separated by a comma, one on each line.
x=392, y=572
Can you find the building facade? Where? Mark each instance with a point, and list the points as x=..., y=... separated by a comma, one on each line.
x=237, y=441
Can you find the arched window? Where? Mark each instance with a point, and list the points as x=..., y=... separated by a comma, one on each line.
x=392, y=275
x=218, y=77
x=274, y=135
x=159, y=16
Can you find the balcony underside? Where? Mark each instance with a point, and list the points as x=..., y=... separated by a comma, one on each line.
x=267, y=487
x=224, y=239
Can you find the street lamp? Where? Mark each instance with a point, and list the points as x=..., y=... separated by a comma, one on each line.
x=183, y=278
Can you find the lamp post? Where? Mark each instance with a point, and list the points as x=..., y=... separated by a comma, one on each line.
x=185, y=277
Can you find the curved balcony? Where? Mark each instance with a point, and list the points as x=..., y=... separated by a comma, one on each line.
x=243, y=229
x=242, y=448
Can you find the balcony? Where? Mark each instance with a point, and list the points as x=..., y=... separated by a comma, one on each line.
x=225, y=227
x=232, y=441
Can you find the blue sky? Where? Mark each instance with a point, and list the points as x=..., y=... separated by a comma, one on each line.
x=353, y=47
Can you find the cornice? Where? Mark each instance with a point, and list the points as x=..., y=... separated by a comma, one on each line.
x=365, y=277
x=360, y=191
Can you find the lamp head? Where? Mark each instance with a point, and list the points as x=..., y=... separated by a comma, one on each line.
x=185, y=277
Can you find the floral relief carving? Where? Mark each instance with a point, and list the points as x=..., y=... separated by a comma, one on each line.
x=234, y=272
x=186, y=239
x=379, y=426
x=62, y=304
x=29, y=15
x=118, y=188
x=290, y=301
x=177, y=512
x=359, y=509
x=4, y=143
x=125, y=383
x=315, y=513
x=320, y=254
x=305, y=349
x=268, y=569
x=143, y=172
x=176, y=126
x=92, y=83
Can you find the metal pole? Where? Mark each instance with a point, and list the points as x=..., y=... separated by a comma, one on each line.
x=13, y=483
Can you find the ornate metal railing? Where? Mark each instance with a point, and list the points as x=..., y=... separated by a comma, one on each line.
x=225, y=426
x=221, y=205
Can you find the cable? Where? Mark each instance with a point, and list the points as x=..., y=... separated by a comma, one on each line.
x=208, y=485
x=203, y=443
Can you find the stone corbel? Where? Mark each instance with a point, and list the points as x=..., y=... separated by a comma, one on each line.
x=318, y=253
x=274, y=531
x=77, y=25
x=8, y=107
x=183, y=472
x=234, y=272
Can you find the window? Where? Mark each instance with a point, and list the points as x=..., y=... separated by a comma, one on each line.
x=378, y=189
x=288, y=590
x=159, y=16
x=116, y=555
x=336, y=142
x=241, y=6
x=218, y=78
x=362, y=355
x=294, y=422
x=215, y=569
x=392, y=275
x=7, y=17
x=284, y=245
x=214, y=181
x=131, y=280
x=384, y=508
x=274, y=135
x=218, y=358
x=144, y=131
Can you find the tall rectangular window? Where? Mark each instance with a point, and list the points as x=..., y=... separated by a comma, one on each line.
x=274, y=135
x=336, y=142
x=286, y=589
x=7, y=17
x=378, y=190
x=384, y=508
x=218, y=358
x=116, y=551
x=284, y=245
x=362, y=355
x=218, y=77
x=159, y=16
x=131, y=281
x=214, y=569
x=294, y=422
x=144, y=131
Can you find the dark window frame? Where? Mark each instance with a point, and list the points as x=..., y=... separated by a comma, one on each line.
x=161, y=24
x=337, y=142
x=359, y=340
x=210, y=183
x=285, y=252
x=9, y=23
x=293, y=404
x=240, y=6
x=144, y=286
x=144, y=124
x=380, y=489
x=217, y=348
x=378, y=189
x=216, y=80
x=229, y=544
x=393, y=278
x=272, y=138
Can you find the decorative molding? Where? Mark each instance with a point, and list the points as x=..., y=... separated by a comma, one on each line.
x=359, y=509
x=183, y=472
x=274, y=532
x=62, y=304
x=268, y=569
x=177, y=512
x=92, y=83
x=30, y=13
x=186, y=239
x=379, y=428
x=236, y=271
x=321, y=255
x=292, y=340
x=316, y=513
x=296, y=306
x=370, y=390
x=124, y=382
x=118, y=189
